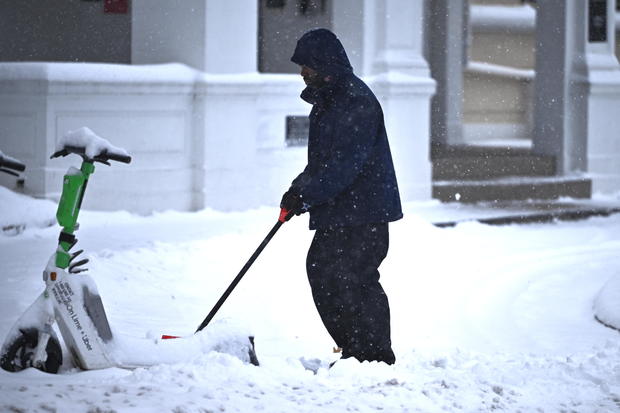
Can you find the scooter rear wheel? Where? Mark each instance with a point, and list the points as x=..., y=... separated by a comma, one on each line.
x=20, y=352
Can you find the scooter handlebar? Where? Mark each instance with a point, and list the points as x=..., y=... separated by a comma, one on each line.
x=102, y=157
x=10, y=163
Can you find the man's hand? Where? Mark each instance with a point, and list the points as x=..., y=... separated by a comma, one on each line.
x=292, y=202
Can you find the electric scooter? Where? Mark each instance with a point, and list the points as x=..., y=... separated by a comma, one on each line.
x=70, y=298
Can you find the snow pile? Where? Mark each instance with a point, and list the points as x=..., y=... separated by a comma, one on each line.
x=86, y=138
x=223, y=336
x=454, y=381
x=483, y=318
x=607, y=303
x=18, y=212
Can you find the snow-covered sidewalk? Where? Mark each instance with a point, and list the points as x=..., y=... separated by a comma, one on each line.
x=483, y=318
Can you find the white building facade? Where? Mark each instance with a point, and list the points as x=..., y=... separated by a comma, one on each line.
x=207, y=128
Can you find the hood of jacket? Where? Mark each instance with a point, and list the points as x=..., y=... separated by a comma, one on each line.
x=320, y=49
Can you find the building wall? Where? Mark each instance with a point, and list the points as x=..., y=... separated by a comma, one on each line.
x=145, y=110
x=63, y=31
x=196, y=140
x=281, y=24
x=211, y=135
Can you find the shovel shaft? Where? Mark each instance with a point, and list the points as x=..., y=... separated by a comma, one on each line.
x=283, y=216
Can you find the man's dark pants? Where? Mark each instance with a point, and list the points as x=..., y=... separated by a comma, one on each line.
x=342, y=268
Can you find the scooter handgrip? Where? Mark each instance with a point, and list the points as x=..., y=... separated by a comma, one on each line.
x=11, y=164
x=118, y=157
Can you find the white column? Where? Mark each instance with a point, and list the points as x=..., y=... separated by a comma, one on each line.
x=354, y=23
x=561, y=89
x=446, y=30
x=231, y=36
x=347, y=18
x=225, y=134
x=399, y=35
x=603, y=153
x=226, y=114
x=213, y=36
x=402, y=82
x=164, y=31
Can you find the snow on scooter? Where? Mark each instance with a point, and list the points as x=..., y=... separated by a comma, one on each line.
x=71, y=299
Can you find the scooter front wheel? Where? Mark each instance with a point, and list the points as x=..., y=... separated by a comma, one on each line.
x=19, y=354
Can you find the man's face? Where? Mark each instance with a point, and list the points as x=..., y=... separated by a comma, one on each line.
x=312, y=78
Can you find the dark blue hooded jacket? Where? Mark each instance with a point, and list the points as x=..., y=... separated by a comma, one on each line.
x=349, y=179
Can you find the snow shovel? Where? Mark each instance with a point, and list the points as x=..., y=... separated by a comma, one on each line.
x=284, y=216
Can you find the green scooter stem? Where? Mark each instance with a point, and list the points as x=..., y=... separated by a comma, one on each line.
x=74, y=187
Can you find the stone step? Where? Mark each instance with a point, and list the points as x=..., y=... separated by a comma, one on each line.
x=569, y=214
x=470, y=168
x=512, y=188
x=475, y=163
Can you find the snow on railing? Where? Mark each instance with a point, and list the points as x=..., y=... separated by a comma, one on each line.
x=500, y=71
x=97, y=72
x=514, y=18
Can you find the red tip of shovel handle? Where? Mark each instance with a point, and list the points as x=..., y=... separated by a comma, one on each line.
x=283, y=215
x=167, y=337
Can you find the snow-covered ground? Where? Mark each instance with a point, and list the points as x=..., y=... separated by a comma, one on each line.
x=483, y=318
